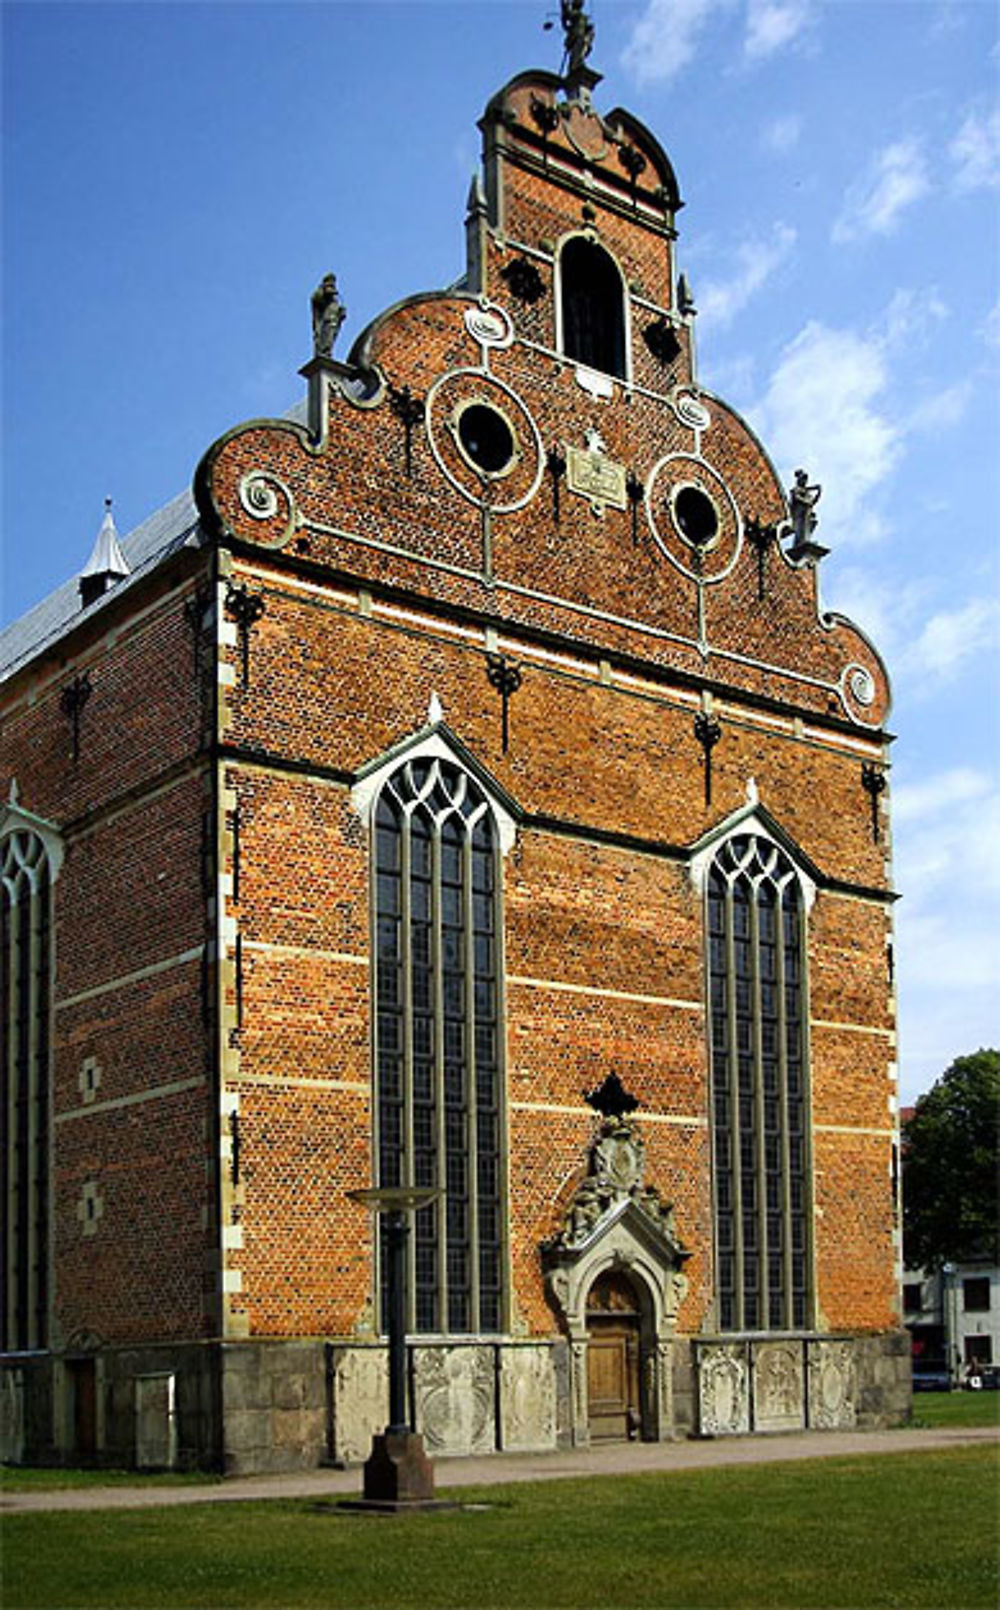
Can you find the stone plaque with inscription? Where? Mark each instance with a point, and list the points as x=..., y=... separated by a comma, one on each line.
x=596, y=478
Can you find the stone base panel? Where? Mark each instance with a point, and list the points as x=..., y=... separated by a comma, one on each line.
x=249, y=1407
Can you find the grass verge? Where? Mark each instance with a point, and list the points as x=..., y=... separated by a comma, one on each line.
x=956, y=1409
x=907, y=1529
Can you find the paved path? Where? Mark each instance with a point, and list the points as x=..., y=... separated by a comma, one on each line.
x=613, y=1459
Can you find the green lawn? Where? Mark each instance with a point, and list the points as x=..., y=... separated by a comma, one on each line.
x=956, y=1409
x=891, y=1530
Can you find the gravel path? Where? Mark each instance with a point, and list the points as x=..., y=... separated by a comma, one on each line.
x=611, y=1459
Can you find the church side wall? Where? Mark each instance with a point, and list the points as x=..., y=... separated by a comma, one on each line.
x=131, y=1215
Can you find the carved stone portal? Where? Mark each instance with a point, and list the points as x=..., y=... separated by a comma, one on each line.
x=615, y=1221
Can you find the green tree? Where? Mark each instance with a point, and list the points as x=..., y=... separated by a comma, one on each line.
x=951, y=1166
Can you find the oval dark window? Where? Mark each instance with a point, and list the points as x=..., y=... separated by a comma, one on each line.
x=486, y=437
x=695, y=514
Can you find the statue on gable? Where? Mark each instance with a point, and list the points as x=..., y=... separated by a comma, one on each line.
x=578, y=35
x=328, y=314
x=802, y=501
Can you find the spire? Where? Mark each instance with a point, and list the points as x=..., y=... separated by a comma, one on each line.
x=106, y=565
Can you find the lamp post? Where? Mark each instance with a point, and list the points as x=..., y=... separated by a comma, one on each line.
x=398, y=1473
x=948, y=1271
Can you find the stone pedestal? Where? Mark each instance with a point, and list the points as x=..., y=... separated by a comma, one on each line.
x=398, y=1471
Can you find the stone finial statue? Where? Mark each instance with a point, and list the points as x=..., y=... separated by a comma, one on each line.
x=802, y=500
x=328, y=314
x=578, y=35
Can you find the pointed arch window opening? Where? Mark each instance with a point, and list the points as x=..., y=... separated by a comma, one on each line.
x=438, y=1039
x=26, y=878
x=592, y=308
x=760, y=1098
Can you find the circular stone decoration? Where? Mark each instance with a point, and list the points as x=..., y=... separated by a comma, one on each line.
x=693, y=516
x=484, y=440
x=860, y=695
x=485, y=437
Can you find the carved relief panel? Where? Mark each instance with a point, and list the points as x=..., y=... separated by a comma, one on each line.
x=723, y=1390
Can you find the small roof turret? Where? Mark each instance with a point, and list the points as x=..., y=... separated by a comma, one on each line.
x=107, y=564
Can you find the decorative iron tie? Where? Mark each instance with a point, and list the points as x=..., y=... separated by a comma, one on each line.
x=873, y=781
x=410, y=411
x=71, y=702
x=761, y=537
x=245, y=608
x=506, y=678
x=634, y=490
x=556, y=465
x=708, y=731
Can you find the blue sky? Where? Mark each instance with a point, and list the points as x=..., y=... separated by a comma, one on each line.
x=177, y=177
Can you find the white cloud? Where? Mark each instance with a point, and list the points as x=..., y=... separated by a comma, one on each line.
x=991, y=326
x=975, y=151
x=909, y=318
x=942, y=410
x=917, y=801
x=823, y=410
x=666, y=36
x=772, y=24
x=782, y=134
x=948, y=871
x=951, y=636
x=895, y=178
x=720, y=300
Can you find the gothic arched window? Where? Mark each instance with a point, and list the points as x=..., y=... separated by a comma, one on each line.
x=592, y=307
x=756, y=956
x=26, y=959
x=438, y=1041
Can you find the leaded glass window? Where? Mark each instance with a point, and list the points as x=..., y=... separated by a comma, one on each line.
x=756, y=947
x=26, y=962
x=438, y=1073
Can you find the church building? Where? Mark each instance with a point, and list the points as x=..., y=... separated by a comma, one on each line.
x=459, y=788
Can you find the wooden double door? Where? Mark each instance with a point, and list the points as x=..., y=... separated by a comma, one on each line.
x=613, y=1359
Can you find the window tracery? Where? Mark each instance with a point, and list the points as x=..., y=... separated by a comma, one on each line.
x=438, y=1036
x=758, y=1003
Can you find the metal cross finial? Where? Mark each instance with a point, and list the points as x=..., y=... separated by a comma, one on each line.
x=708, y=731
x=506, y=678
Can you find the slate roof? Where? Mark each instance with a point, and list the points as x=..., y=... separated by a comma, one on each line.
x=172, y=527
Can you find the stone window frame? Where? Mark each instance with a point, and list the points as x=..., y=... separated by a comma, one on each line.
x=590, y=237
x=31, y=856
x=433, y=747
x=753, y=821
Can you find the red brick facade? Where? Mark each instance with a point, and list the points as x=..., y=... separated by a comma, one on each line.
x=213, y=915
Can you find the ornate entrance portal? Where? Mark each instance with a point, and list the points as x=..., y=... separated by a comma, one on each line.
x=615, y=1277
x=613, y=1345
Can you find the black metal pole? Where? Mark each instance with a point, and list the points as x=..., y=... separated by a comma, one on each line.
x=396, y=1230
